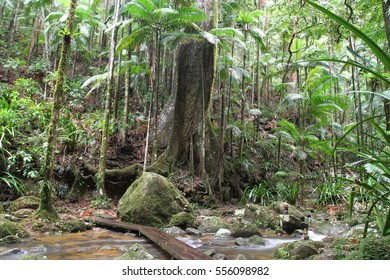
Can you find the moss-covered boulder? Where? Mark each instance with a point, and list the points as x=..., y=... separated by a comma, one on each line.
x=183, y=220
x=24, y=202
x=256, y=240
x=263, y=216
x=136, y=252
x=11, y=228
x=151, y=200
x=212, y=224
x=278, y=207
x=298, y=250
x=290, y=223
x=243, y=229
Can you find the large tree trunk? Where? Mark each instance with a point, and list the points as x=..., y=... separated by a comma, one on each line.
x=191, y=143
x=195, y=68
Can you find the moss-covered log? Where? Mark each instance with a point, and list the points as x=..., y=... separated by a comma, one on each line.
x=117, y=174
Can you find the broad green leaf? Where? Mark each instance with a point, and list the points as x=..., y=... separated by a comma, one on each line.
x=382, y=55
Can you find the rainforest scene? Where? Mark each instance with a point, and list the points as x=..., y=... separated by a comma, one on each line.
x=194, y=129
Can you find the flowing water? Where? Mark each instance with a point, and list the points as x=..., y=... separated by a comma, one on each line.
x=103, y=244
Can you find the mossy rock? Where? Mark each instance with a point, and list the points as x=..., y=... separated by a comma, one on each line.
x=174, y=231
x=262, y=216
x=24, y=202
x=242, y=229
x=71, y=226
x=212, y=224
x=11, y=228
x=298, y=250
x=33, y=258
x=256, y=240
x=136, y=252
x=278, y=207
x=372, y=248
x=1, y=208
x=183, y=220
x=151, y=200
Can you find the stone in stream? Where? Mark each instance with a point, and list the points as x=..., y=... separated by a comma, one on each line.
x=222, y=233
x=211, y=224
x=299, y=250
x=244, y=229
x=290, y=223
x=194, y=232
x=255, y=240
x=136, y=252
x=174, y=231
x=151, y=200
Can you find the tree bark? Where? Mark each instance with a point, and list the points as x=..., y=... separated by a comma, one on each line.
x=386, y=16
x=46, y=208
x=191, y=114
x=107, y=111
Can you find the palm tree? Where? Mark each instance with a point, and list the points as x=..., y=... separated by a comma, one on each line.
x=247, y=21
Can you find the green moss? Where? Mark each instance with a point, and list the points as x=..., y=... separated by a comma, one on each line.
x=240, y=229
x=298, y=250
x=151, y=200
x=70, y=226
x=372, y=248
x=33, y=257
x=29, y=202
x=183, y=220
x=11, y=228
x=281, y=254
x=1, y=208
x=136, y=252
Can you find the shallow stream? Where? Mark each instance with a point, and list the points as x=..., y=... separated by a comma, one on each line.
x=103, y=244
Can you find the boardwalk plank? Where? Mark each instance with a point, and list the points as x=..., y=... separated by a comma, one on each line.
x=176, y=248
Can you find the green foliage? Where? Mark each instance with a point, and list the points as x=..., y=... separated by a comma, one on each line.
x=101, y=202
x=374, y=164
x=261, y=193
x=332, y=193
x=12, y=182
x=372, y=248
x=379, y=52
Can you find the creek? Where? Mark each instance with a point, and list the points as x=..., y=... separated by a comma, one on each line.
x=103, y=244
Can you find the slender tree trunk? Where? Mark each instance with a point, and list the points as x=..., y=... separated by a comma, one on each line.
x=125, y=120
x=46, y=208
x=386, y=16
x=107, y=108
x=12, y=26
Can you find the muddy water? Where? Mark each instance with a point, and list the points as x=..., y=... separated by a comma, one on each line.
x=95, y=244
x=103, y=244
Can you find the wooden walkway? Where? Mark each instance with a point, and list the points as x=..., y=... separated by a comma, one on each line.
x=176, y=248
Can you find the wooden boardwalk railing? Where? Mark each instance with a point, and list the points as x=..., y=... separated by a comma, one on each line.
x=176, y=248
